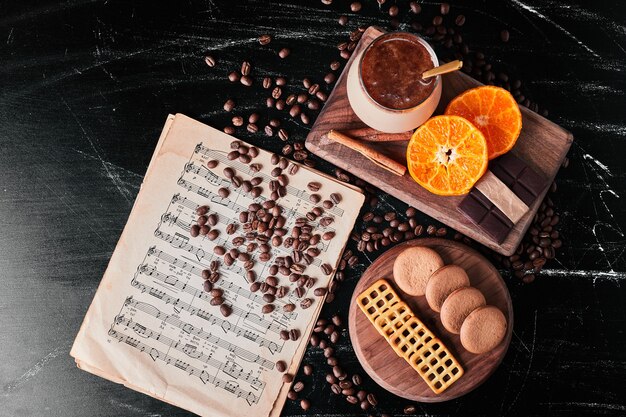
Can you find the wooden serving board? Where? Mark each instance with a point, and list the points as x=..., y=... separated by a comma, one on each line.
x=391, y=371
x=542, y=145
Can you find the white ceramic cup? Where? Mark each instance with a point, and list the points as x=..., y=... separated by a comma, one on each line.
x=383, y=118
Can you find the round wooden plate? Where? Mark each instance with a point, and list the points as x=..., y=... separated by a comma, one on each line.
x=391, y=371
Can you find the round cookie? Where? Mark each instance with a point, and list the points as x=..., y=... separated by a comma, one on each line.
x=442, y=282
x=413, y=267
x=483, y=329
x=458, y=305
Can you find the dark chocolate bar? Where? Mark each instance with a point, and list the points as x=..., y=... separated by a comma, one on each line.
x=520, y=178
x=481, y=211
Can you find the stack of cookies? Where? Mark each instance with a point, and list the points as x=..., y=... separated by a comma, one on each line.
x=463, y=309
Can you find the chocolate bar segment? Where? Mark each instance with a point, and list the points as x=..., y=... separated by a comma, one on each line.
x=519, y=177
x=481, y=211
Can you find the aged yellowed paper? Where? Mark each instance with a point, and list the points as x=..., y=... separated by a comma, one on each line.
x=152, y=327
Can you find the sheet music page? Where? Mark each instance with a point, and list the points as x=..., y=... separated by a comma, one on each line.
x=152, y=327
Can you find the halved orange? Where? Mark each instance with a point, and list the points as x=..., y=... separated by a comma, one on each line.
x=494, y=112
x=447, y=155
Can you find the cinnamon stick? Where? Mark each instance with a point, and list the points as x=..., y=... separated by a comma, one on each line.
x=378, y=158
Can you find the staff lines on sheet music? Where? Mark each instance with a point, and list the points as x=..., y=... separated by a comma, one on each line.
x=254, y=318
x=240, y=167
x=273, y=326
x=192, y=205
x=200, y=332
x=204, y=376
x=169, y=218
x=234, y=206
x=190, y=350
x=173, y=281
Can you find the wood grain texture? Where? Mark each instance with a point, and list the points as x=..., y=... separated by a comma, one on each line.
x=391, y=371
x=86, y=86
x=542, y=144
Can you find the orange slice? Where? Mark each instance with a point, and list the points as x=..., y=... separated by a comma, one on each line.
x=494, y=112
x=447, y=155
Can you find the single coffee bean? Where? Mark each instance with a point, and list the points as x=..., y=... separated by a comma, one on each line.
x=305, y=404
x=252, y=128
x=416, y=8
x=295, y=110
x=294, y=334
x=292, y=395
x=314, y=186
x=335, y=198
x=504, y=35
x=194, y=230
x=219, y=250
x=298, y=386
x=284, y=53
x=409, y=409
x=444, y=8
x=246, y=80
x=229, y=105
x=355, y=6
x=225, y=310
x=393, y=11
x=207, y=286
x=327, y=269
x=265, y=39
x=216, y=301
x=210, y=61
x=288, y=308
x=245, y=68
x=223, y=192
x=233, y=77
x=281, y=366
x=320, y=292
x=287, y=378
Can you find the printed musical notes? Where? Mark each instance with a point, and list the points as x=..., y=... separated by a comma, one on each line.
x=151, y=317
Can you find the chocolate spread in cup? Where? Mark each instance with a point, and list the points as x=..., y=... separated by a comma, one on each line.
x=392, y=69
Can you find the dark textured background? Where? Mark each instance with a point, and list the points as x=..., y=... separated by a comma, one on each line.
x=85, y=87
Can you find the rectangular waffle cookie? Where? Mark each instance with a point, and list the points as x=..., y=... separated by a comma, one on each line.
x=409, y=337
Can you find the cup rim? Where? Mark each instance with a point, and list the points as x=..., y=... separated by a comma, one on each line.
x=430, y=50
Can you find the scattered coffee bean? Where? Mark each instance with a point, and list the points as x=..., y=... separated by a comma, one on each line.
x=284, y=53
x=225, y=310
x=355, y=6
x=233, y=77
x=504, y=35
x=305, y=404
x=265, y=39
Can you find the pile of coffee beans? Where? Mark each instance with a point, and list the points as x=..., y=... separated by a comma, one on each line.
x=300, y=101
x=260, y=229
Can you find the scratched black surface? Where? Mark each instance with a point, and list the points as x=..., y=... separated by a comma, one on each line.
x=85, y=87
